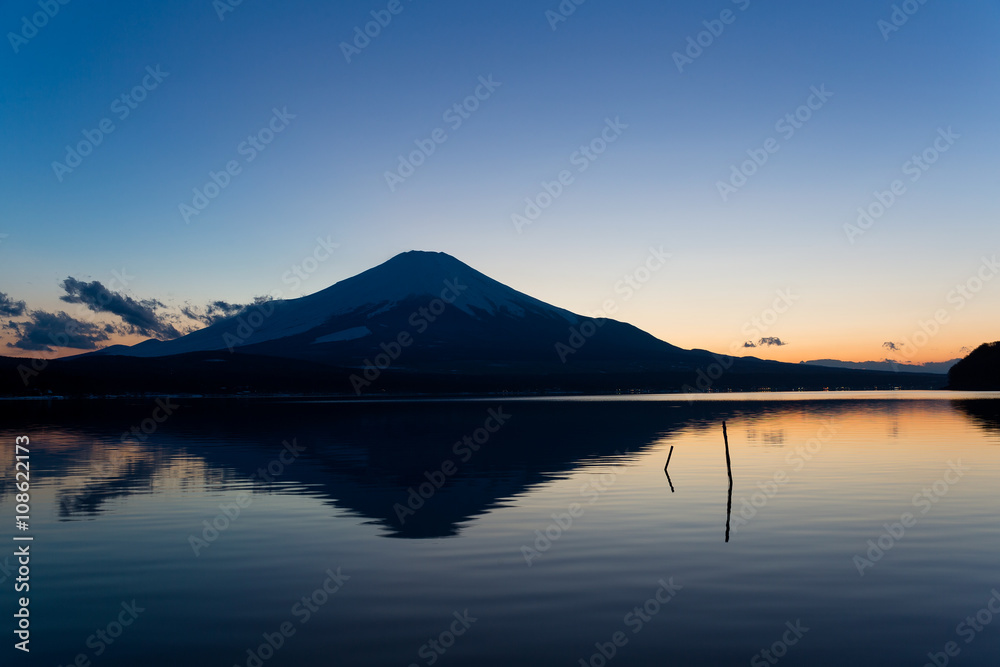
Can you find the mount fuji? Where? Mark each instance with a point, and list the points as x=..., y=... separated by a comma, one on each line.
x=424, y=322
x=439, y=312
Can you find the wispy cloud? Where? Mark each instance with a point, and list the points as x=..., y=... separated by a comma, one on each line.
x=771, y=341
x=140, y=316
x=9, y=307
x=45, y=331
x=213, y=312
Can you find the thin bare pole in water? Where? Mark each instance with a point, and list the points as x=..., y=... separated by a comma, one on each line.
x=671, y=453
x=729, y=469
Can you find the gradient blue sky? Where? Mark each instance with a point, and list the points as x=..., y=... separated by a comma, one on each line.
x=656, y=186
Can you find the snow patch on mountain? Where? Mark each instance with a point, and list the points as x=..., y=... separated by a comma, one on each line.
x=347, y=334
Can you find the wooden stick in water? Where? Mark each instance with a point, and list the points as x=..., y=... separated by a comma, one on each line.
x=729, y=463
x=667, y=472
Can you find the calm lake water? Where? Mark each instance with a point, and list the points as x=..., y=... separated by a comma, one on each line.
x=865, y=530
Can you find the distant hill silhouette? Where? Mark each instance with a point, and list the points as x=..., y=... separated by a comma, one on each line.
x=888, y=365
x=978, y=371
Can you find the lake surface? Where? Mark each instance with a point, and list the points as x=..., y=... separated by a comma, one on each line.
x=865, y=530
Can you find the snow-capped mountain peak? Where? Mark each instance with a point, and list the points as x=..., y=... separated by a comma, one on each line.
x=414, y=277
x=418, y=274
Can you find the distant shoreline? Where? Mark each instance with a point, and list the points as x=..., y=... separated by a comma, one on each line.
x=841, y=394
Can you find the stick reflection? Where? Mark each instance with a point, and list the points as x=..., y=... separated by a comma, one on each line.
x=729, y=469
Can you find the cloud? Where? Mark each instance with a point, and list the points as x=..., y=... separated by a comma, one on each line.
x=213, y=312
x=45, y=331
x=771, y=342
x=140, y=316
x=749, y=343
x=892, y=347
x=9, y=307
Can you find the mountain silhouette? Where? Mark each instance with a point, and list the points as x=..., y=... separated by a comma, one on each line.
x=980, y=370
x=424, y=322
x=454, y=315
